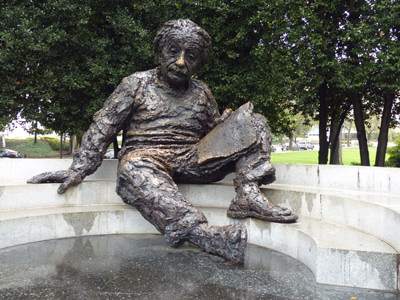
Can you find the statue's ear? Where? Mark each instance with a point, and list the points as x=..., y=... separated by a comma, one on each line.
x=157, y=48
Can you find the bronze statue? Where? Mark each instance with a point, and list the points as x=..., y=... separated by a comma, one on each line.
x=173, y=132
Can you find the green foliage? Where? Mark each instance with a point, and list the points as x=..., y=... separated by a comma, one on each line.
x=245, y=62
x=54, y=143
x=30, y=149
x=60, y=60
x=63, y=58
x=394, y=155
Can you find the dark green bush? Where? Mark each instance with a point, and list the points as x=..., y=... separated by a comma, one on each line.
x=394, y=155
x=55, y=143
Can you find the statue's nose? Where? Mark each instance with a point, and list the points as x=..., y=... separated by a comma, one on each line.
x=181, y=60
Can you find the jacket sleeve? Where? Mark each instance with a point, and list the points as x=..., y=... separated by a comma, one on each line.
x=213, y=114
x=107, y=122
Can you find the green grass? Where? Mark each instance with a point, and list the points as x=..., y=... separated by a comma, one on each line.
x=351, y=156
x=30, y=149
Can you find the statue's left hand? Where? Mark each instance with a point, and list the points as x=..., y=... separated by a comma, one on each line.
x=66, y=177
x=227, y=112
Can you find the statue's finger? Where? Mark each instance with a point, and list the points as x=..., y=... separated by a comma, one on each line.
x=73, y=179
x=44, y=177
x=63, y=187
x=49, y=177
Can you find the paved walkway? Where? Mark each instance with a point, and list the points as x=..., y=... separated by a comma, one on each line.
x=144, y=267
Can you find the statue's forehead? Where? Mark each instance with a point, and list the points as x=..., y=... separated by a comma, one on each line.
x=184, y=41
x=183, y=36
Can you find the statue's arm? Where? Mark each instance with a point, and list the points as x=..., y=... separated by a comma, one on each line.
x=107, y=122
x=215, y=117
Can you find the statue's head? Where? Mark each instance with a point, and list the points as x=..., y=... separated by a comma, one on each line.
x=181, y=48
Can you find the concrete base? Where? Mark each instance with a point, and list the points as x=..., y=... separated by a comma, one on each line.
x=144, y=267
x=346, y=234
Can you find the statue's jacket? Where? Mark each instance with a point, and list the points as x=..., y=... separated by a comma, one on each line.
x=152, y=116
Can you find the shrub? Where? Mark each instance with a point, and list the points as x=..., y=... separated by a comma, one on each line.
x=55, y=143
x=394, y=155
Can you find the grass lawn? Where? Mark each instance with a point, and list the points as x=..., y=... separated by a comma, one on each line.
x=351, y=156
x=30, y=149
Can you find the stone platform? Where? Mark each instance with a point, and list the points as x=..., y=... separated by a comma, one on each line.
x=347, y=233
x=138, y=266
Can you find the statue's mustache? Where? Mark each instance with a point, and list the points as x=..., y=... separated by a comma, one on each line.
x=178, y=70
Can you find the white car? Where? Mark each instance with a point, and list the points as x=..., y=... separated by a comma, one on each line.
x=109, y=154
x=305, y=145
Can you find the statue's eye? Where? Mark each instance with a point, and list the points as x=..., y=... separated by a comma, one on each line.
x=173, y=49
x=191, y=57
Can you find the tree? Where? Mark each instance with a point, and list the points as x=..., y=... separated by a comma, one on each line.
x=72, y=54
x=348, y=125
x=312, y=39
x=63, y=58
x=341, y=62
x=372, y=63
x=245, y=61
x=385, y=35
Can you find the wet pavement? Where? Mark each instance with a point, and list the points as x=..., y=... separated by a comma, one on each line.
x=144, y=267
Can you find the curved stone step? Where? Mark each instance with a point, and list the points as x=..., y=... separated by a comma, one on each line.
x=32, y=225
x=356, y=259
x=336, y=254
x=377, y=219
x=330, y=237
x=362, y=211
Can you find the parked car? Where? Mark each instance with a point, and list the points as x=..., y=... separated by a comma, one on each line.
x=305, y=145
x=9, y=153
x=285, y=147
x=109, y=154
x=295, y=147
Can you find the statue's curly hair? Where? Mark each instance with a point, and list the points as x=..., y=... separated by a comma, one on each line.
x=186, y=29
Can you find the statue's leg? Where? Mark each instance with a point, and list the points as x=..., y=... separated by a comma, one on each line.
x=145, y=183
x=241, y=143
x=252, y=170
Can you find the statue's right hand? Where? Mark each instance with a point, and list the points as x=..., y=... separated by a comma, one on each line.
x=66, y=177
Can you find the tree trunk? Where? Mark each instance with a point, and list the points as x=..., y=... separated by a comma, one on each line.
x=79, y=136
x=35, y=139
x=336, y=143
x=349, y=134
x=323, y=123
x=61, y=145
x=335, y=137
x=115, y=147
x=71, y=144
x=384, y=130
x=290, y=142
x=360, y=126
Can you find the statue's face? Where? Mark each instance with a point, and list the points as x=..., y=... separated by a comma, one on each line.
x=179, y=61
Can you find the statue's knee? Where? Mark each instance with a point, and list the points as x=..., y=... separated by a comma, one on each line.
x=260, y=123
x=127, y=182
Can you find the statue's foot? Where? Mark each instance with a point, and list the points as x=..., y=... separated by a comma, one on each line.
x=252, y=203
x=227, y=241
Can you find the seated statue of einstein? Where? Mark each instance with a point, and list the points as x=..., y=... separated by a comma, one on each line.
x=173, y=132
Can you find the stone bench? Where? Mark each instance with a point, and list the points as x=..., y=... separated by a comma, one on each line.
x=347, y=233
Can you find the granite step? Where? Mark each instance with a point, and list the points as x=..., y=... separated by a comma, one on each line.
x=336, y=254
